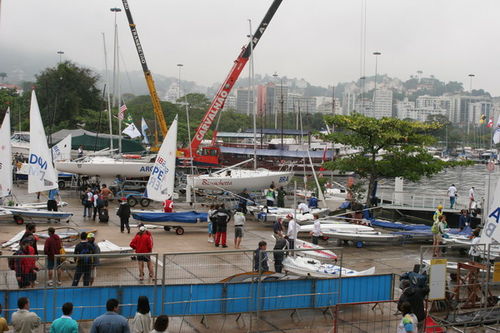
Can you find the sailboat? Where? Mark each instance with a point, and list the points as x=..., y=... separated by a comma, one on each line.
x=161, y=187
x=42, y=175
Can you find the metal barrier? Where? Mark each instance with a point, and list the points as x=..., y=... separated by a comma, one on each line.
x=411, y=200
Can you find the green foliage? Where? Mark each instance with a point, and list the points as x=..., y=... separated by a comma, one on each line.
x=64, y=91
x=389, y=147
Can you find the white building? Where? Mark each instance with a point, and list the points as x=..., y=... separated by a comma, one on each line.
x=382, y=103
x=324, y=105
x=364, y=107
x=173, y=93
x=404, y=109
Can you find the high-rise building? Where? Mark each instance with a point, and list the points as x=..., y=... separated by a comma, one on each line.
x=382, y=103
x=243, y=95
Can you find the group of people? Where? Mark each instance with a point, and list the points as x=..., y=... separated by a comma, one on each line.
x=95, y=202
x=26, y=321
x=453, y=195
x=218, y=218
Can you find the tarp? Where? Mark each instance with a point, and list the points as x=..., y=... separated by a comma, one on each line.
x=181, y=217
x=399, y=226
x=88, y=140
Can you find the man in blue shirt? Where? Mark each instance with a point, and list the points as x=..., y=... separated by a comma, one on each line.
x=111, y=321
x=52, y=202
x=65, y=324
x=313, y=201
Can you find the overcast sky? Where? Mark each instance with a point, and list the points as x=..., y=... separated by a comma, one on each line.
x=318, y=40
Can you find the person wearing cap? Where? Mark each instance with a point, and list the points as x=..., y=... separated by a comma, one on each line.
x=84, y=261
x=52, y=248
x=292, y=232
x=143, y=243
x=124, y=214
x=95, y=259
x=437, y=213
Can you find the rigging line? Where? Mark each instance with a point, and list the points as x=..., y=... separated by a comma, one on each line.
x=127, y=73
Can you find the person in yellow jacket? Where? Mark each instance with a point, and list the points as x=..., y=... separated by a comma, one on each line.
x=437, y=213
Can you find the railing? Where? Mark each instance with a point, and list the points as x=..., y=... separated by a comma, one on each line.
x=412, y=200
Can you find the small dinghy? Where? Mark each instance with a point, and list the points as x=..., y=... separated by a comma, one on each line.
x=311, y=267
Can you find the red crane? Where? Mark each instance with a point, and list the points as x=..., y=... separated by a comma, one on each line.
x=209, y=156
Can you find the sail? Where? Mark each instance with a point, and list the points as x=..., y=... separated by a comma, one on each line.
x=162, y=178
x=491, y=231
x=5, y=157
x=42, y=176
x=62, y=150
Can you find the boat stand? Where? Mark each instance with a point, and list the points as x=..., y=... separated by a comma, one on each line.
x=295, y=312
x=240, y=316
x=204, y=321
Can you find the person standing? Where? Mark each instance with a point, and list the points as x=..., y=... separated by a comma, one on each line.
x=281, y=197
x=223, y=218
x=161, y=324
x=65, y=324
x=96, y=203
x=52, y=248
x=280, y=248
x=452, y=193
x=95, y=259
x=25, y=268
x=293, y=230
x=106, y=194
x=87, y=203
x=278, y=227
x=239, y=223
x=142, y=321
x=30, y=233
x=54, y=197
x=437, y=233
x=124, y=214
x=475, y=250
x=3, y=323
x=23, y=320
x=316, y=232
x=472, y=197
x=143, y=243
x=408, y=323
x=437, y=214
x=270, y=196
x=83, y=262
x=260, y=258
x=243, y=199
x=303, y=208
x=168, y=205
x=313, y=201
x=211, y=233
x=111, y=321
x=80, y=151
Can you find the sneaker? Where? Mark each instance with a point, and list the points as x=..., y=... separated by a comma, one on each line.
x=50, y=283
x=210, y=240
x=216, y=245
x=59, y=283
x=224, y=245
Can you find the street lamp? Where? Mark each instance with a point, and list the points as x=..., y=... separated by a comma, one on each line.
x=60, y=55
x=376, y=54
x=179, y=81
x=281, y=105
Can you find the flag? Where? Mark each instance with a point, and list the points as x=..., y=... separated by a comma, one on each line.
x=482, y=119
x=490, y=123
x=131, y=131
x=144, y=128
x=121, y=113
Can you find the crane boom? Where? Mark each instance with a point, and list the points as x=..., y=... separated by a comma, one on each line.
x=160, y=118
x=226, y=87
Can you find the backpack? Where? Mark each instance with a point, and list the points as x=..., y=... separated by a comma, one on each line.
x=100, y=202
x=12, y=261
x=85, y=249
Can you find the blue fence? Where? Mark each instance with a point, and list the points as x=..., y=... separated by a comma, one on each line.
x=209, y=298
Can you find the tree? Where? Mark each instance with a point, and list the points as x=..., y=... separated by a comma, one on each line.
x=389, y=147
x=64, y=91
x=3, y=75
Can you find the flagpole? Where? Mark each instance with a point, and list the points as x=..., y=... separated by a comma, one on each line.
x=119, y=96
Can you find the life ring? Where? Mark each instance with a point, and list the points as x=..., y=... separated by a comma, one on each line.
x=131, y=156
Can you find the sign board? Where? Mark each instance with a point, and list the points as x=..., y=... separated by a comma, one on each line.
x=437, y=279
x=496, y=272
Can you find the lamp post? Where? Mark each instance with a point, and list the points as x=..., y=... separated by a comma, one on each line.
x=376, y=54
x=179, y=81
x=60, y=55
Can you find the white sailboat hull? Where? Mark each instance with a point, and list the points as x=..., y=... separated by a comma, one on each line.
x=106, y=167
x=252, y=180
x=310, y=267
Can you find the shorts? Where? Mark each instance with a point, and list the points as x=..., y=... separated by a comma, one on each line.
x=210, y=228
x=143, y=258
x=437, y=237
x=51, y=263
x=238, y=232
x=52, y=205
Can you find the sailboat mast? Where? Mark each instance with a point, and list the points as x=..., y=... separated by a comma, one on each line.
x=251, y=106
x=108, y=94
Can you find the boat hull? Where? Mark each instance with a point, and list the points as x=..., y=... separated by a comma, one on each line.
x=106, y=169
x=178, y=217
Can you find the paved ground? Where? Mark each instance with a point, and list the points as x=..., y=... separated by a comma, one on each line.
x=214, y=267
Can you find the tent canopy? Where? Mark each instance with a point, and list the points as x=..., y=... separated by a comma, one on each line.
x=93, y=141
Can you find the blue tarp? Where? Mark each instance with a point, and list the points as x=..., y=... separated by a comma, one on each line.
x=181, y=217
x=399, y=226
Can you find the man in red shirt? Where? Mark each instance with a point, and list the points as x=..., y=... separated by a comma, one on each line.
x=26, y=267
x=168, y=205
x=52, y=248
x=143, y=243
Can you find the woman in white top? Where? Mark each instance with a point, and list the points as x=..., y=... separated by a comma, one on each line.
x=161, y=324
x=142, y=321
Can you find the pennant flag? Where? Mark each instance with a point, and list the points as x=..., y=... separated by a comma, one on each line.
x=144, y=128
x=482, y=119
x=490, y=123
x=121, y=113
x=131, y=131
